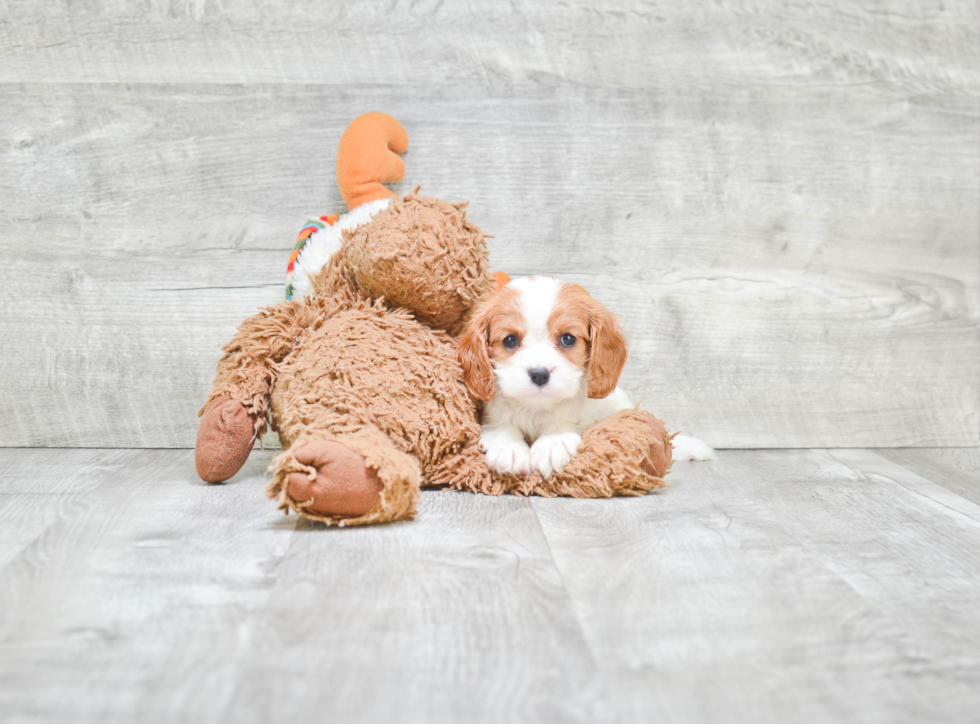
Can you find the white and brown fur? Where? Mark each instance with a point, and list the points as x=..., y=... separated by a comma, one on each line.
x=559, y=378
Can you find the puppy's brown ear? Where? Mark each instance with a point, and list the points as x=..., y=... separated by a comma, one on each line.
x=607, y=351
x=474, y=356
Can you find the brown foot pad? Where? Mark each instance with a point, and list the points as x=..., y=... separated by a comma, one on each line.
x=660, y=453
x=343, y=485
x=224, y=440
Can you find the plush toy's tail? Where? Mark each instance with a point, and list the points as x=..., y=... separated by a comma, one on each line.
x=366, y=158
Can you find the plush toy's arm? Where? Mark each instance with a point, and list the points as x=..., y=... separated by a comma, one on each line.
x=250, y=366
x=236, y=411
x=628, y=453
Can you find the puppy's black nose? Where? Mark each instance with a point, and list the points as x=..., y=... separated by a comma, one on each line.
x=539, y=376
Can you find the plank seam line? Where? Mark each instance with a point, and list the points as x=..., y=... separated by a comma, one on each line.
x=966, y=509
x=600, y=672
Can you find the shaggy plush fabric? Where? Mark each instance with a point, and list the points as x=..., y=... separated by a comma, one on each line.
x=352, y=366
x=317, y=243
x=389, y=388
x=628, y=453
x=429, y=242
x=362, y=383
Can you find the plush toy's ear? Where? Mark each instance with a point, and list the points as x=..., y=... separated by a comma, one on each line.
x=474, y=356
x=366, y=158
x=607, y=351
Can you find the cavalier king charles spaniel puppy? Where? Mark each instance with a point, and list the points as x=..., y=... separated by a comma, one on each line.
x=545, y=357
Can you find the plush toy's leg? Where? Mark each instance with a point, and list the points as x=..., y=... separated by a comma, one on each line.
x=628, y=453
x=343, y=485
x=224, y=439
x=348, y=479
x=660, y=452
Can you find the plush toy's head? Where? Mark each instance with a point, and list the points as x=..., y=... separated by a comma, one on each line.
x=424, y=255
x=418, y=253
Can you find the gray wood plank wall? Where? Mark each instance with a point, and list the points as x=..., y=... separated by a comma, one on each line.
x=780, y=200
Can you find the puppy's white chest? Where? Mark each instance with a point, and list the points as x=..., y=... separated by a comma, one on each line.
x=543, y=421
x=533, y=421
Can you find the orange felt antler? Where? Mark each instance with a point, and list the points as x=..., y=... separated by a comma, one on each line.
x=500, y=280
x=366, y=158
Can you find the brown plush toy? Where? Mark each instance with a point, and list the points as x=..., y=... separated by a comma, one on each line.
x=357, y=370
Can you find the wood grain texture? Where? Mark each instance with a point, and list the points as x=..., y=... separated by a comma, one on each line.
x=460, y=616
x=767, y=586
x=40, y=488
x=134, y=605
x=780, y=201
x=613, y=43
x=157, y=598
x=777, y=586
x=956, y=468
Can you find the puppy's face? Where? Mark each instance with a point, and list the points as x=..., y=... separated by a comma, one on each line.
x=541, y=340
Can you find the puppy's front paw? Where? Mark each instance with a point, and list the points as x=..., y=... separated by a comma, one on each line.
x=509, y=457
x=551, y=453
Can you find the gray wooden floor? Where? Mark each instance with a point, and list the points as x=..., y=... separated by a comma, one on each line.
x=768, y=586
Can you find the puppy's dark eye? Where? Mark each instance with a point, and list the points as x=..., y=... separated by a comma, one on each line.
x=511, y=341
x=566, y=340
